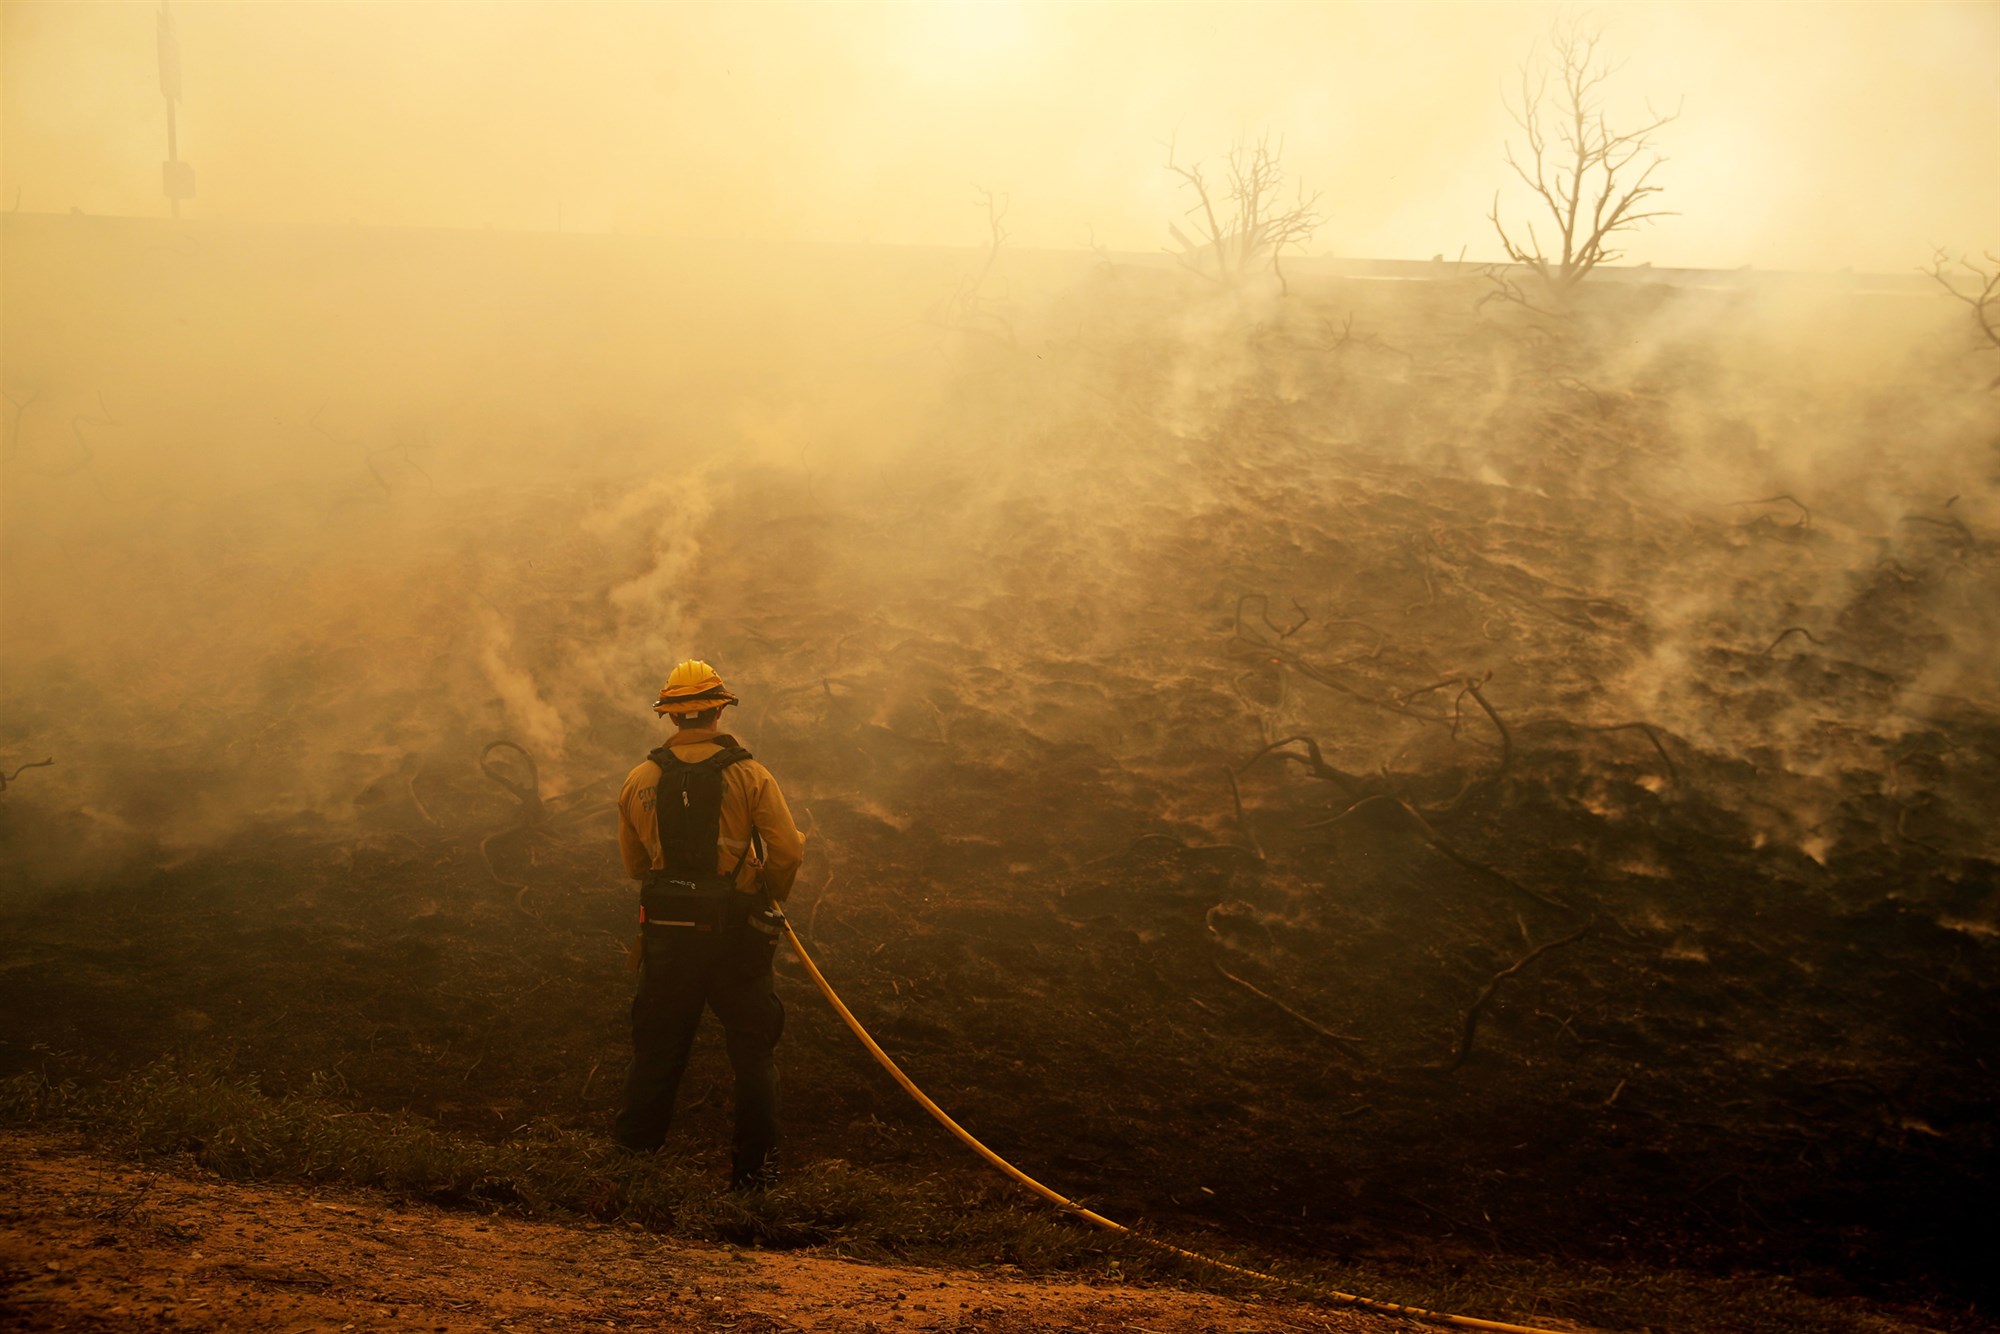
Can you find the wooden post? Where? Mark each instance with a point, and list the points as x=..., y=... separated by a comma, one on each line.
x=176, y=177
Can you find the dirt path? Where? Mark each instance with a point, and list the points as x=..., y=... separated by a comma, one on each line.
x=87, y=1244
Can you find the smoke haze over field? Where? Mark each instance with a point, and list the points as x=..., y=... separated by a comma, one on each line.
x=293, y=515
x=1814, y=136
x=297, y=511
x=1221, y=698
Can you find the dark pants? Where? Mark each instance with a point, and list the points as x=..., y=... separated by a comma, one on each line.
x=729, y=971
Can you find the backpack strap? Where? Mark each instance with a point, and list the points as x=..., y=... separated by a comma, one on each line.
x=687, y=812
x=732, y=754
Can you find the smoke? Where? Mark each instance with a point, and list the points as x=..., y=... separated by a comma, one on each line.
x=291, y=580
x=651, y=625
x=520, y=698
x=864, y=125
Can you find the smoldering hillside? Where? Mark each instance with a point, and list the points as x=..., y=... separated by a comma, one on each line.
x=290, y=510
x=278, y=475
x=1203, y=706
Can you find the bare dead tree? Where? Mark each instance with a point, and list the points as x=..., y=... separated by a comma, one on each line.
x=969, y=309
x=1243, y=222
x=1978, y=288
x=1592, y=182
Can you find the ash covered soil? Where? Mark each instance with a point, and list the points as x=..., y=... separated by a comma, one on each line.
x=1359, y=776
x=94, y=1247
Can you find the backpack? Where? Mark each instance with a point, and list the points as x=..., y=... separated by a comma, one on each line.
x=687, y=892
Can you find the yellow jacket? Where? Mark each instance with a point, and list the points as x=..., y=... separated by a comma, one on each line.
x=750, y=800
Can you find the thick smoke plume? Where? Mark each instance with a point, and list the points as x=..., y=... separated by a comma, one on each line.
x=247, y=584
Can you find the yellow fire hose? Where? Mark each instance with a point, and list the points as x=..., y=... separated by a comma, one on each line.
x=1063, y=1202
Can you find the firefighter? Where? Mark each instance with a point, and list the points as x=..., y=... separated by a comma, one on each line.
x=705, y=831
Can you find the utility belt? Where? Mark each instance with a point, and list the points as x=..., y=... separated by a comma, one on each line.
x=706, y=903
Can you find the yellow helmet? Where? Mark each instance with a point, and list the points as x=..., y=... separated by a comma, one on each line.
x=693, y=687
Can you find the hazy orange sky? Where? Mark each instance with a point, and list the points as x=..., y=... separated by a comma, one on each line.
x=1814, y=135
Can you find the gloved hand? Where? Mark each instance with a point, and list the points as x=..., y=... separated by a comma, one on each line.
x=767, y=919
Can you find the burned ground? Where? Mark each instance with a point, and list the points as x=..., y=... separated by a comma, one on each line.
x=1476, y=786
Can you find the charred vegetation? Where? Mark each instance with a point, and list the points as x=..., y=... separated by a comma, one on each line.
x=1243, y=223
x=1589, y=183
x=1392, y=800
